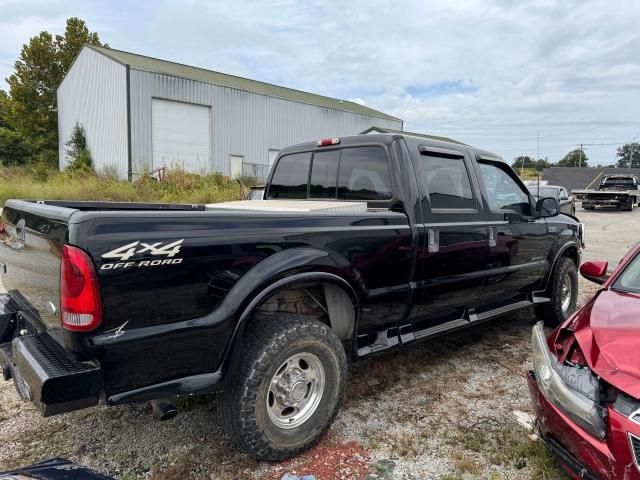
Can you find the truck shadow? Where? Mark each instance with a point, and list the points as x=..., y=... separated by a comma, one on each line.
x=384, y=392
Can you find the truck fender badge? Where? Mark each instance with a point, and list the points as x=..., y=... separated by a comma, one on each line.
x=139, y=264
x=169, y=250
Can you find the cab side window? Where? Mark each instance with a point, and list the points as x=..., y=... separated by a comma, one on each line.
x=364, y=174
x=503, y=192
x=446, y=180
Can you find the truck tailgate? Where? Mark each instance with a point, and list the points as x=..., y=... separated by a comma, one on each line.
x=31, y=239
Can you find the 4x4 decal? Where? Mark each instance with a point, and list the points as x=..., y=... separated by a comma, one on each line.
x=128, y=251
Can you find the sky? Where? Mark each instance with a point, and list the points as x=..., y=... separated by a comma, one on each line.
x=513, y=77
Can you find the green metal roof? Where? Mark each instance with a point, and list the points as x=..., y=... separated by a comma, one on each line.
x=412, y=134
x=179, y=70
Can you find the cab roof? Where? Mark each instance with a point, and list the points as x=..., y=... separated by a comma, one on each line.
x=413, y=142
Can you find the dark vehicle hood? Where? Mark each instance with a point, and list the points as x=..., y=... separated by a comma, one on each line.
x=610, y=339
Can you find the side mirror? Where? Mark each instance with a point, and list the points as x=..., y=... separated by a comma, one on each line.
x=595, y=271
x=547, y=207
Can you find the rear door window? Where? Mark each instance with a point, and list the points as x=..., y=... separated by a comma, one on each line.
x=291, y=177
x=364, y=174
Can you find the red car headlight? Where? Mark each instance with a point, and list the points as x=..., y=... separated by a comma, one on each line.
x=573, y=390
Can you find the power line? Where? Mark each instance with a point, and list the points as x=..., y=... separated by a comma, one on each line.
x=523, y=140
x=604, y=144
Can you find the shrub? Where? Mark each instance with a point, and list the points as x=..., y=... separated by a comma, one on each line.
x=81, y=162
x=78, y=151
x=41, y=171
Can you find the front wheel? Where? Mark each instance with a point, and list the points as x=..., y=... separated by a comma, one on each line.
x=288, y=388
x=564, y=294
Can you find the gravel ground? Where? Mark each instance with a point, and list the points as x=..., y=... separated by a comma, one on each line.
x=443, y=409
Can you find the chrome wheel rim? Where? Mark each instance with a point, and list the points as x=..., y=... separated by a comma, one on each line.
x=565, y=293
x=295, y=390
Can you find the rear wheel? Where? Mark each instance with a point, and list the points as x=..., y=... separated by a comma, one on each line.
x=564, y=294
x=288, y=388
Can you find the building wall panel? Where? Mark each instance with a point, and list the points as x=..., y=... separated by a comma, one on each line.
x=94, y=94
x=242, y=123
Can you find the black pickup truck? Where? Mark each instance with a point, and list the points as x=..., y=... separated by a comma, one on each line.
x=114, y=302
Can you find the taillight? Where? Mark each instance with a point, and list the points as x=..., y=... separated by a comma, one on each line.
x=80, y=305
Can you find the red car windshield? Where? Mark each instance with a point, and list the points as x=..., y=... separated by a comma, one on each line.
x=629, y=279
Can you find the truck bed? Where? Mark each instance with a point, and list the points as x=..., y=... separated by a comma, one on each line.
x=92, y=205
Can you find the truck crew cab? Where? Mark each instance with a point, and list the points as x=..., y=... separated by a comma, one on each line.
x=362, y=245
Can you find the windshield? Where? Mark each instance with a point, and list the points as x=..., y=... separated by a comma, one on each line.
x=618, y=182
x=629, y=279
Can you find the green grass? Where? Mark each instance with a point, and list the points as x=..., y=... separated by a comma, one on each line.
x=505, y=443
x=36, y=183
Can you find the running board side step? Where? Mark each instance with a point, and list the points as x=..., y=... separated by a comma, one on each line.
x=472, y=317
x=443, y=327
x=496, y=312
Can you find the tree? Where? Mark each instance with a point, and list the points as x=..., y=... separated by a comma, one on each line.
x=523, y=161
x=575, y=158
x=41, y=67
x=542, y=163
x=13, y=149
x=4, y=109
x=629, y=152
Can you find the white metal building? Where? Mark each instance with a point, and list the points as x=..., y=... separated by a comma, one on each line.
x=140, y=113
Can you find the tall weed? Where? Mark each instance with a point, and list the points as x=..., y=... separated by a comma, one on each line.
x=37, y=183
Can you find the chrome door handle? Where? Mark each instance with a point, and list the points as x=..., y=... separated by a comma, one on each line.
x=433, y=240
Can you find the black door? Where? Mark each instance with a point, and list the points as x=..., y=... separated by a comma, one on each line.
x=453, y=248
x=518, y=242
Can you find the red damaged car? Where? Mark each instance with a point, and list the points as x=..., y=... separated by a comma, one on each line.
x=585, y=382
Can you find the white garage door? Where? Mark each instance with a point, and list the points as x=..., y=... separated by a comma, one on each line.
x=181, y=135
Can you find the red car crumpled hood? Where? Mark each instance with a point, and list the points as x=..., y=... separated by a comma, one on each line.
x=610, y=339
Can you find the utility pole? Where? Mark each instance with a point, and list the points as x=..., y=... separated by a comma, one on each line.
x=538, y=156
x=633, y=149
x=580, y=160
